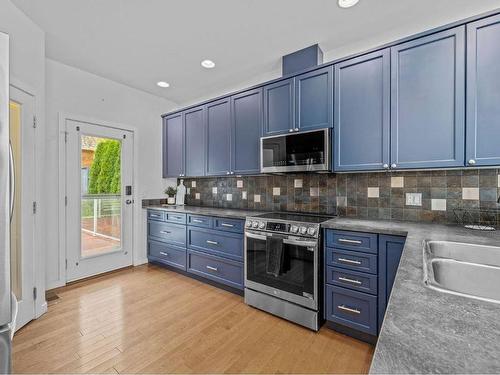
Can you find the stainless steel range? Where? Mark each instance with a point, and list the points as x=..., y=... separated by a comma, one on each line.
x=282, y=266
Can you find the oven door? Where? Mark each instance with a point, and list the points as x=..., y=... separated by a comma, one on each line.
x=282, y=266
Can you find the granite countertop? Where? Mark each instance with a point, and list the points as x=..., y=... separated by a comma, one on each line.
x=426, y=331
x=207, y=211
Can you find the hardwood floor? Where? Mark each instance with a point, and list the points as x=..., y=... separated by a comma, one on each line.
x=151, y=320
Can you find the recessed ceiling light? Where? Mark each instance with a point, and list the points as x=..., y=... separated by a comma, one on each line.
x=163, y=84
x=209, y=64
x=347, y=3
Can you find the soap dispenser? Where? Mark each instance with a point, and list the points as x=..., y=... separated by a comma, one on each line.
x=181, y=194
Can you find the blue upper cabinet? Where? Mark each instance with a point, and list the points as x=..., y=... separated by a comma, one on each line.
x=173, y=146
x=279, y=114
x=483, y=92
x=428, y=101
x=194, y=131
x=362, y=113
x=314, y=99
x=218, y=137
x=247, y=116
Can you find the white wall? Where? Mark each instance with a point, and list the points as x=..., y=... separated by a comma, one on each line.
x=75, y=92
x=27, y=69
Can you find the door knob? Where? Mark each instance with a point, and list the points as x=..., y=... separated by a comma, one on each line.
x=128, y=201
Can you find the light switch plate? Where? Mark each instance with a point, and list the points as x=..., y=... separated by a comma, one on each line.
x=414, y=199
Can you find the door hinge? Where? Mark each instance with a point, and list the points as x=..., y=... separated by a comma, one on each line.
x=66, y=200
x=34, y=293
x=66, y=264
x=65, y=137
x=34, y=121
x=34, y=207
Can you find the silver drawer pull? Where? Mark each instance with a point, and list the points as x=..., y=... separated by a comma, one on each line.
x=348, y=309
x=227, y=225
x=353, y=242
x=352, y=281
x=350, y=261
x=212, y=242
x=176, y=217
x=154, y=215
x=215, y=269
x=197, y=221
x=163, y=253
x=165, y=232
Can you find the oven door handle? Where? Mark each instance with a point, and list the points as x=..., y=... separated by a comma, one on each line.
x=256, y=236
x=300, y=243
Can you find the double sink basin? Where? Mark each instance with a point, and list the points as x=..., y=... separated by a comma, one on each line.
x=468, y=270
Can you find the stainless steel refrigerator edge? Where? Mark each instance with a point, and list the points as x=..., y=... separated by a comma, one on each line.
x=5, y=204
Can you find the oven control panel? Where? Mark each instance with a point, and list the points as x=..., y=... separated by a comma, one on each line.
x=282, y=227
x=277, y=227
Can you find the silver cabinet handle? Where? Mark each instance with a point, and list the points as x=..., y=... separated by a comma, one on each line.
x=212, y=242
x=197, y=221
x=165, y=232
x=215, y=269
x=354, y=242
x=163, y=253
x=472, y=162
x=177, y=217
x=154, y=215
x=352, y=281
x=348, y=309
x=227, y=225
x=350, y=261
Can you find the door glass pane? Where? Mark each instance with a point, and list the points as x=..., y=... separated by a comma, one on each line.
x=15, y=226
x=101, y=195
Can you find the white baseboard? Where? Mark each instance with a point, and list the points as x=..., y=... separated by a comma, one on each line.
x=141, y=261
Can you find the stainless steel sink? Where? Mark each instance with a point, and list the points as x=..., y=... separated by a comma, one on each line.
x=463, y=269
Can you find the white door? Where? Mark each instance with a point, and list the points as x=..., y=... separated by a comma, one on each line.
x=99, y=175
x=22, y=140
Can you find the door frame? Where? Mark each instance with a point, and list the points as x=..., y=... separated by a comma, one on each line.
x=38, y=227
x=62, y=118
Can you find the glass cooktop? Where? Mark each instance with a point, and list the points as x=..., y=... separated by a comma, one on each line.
x=303, y=218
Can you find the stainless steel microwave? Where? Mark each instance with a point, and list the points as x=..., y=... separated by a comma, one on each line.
x=307, y=151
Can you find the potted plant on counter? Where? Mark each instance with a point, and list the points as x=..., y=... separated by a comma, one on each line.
x=171, y=191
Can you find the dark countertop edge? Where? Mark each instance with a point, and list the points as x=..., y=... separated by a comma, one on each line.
x=234, y=213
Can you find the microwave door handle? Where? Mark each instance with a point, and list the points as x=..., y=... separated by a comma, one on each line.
x=300, y=243
x=256, y=236
x=12, y=179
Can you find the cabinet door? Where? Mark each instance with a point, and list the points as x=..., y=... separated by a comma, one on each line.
x=483, y=92
x=314, y=99
x=218, y=137
x=246, y=109
x=279, y=107
x=194, y=131
x=390, y=249
x=362, y=113
x=428, y=100
x=173, y=146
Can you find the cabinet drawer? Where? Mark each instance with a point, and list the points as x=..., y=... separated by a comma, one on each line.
x=168, y=254
x=200, y=221
x=156, y=215
x=215, y=268
x=230, y=225
x=352, y=279
x=366, y=242
x=174, y=234
x=352, y=309
x=351, y=260
x=174, y=217
x=225, y=244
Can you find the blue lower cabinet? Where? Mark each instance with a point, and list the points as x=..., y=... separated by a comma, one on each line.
x=171, y=255
x=390, y=251
x=229, y=225
x=227, y=245
x=200, y=221
x=173, y=234
x=352, y=309
x=352, y=280
x=173, y=217
x=352, y=260
x=156, y=215
x=215, y=268
x=357, y=241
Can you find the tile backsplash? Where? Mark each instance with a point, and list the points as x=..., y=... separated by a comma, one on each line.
x=430, y=196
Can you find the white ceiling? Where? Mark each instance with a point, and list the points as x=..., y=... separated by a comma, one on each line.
x=140, y=42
